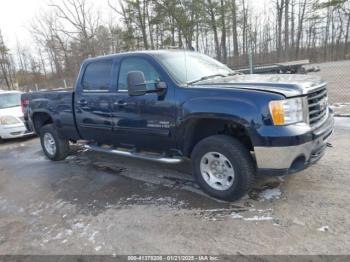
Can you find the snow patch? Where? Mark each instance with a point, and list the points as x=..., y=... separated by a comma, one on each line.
x=58, y=236
x=78, y=226
x=257, y=218
x=323, y=229
x=235, y=215
x=298, y=222
x=92, y=237
x=269, y=194
x=68, y=232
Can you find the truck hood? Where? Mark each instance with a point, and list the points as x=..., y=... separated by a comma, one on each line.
x=287, y=85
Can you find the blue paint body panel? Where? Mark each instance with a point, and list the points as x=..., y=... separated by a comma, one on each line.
x=160, y=122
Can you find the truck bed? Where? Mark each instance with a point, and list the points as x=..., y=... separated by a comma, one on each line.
x=57, y=103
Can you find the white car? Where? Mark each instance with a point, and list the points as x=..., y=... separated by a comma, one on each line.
x=11, y=116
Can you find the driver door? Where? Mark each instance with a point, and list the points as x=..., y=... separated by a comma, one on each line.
x=142, y=122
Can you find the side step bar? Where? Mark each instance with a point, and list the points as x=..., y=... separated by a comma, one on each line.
x=150, y=157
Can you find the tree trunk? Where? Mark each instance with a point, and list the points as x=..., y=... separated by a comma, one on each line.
x=286, y=29
x=150, y=29
x=215, y=30
x=142, y=24
x=223, y=33
x=346, y=41
x=292, y=33
x=325, y=46
x=234, y=29
x=300, y=27
x=244, y=28
x=279, y=7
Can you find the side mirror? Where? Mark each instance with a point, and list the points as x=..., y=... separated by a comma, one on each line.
x=136, y=83
x=161, y=86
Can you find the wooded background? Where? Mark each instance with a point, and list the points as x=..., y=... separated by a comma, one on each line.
x=72, y=30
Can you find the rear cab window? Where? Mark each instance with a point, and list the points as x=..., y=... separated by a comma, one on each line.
x=97, y=76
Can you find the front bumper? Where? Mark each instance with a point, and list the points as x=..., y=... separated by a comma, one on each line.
x=14, y=131
x=294, y=158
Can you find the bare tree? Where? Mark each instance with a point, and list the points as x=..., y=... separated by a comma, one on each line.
x=286, y=28
x=234, y=8
x=83, y=20
x=301, y=21
x=71, y=31
x=279, y=9
x=211, y=9
x=46, y=31
x=5, y=64
x=223, y=30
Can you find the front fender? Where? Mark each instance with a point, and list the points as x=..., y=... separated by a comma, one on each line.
x=244, y=113
x=247, y=109
x=241, y=111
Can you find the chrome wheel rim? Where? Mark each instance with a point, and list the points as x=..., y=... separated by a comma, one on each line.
x=49, y=144
x=217, y=171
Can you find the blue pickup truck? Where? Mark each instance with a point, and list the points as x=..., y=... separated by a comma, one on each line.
x=171, y=105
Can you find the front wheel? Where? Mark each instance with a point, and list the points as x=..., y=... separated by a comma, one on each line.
x=54, y=145
x=223, y=167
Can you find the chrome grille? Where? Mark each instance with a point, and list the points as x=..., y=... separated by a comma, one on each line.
x=318, y=105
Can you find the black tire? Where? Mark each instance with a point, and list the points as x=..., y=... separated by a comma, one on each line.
x=62, y=144
x=237, y=154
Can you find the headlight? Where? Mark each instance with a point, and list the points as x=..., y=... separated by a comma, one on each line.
x=8, y=120
x=285, y=112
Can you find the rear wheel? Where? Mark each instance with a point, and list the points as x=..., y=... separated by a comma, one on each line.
x=54, y=145
x=223, y=167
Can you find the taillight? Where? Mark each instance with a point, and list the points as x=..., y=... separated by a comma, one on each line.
x=24, y=104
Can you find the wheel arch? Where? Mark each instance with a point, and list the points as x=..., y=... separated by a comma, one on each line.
x=199, y=128
x=40, y=119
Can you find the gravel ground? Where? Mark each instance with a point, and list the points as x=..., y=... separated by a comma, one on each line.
x=101, y=204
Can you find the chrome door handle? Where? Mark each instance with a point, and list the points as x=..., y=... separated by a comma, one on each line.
x=121, y=103
x=82, y=102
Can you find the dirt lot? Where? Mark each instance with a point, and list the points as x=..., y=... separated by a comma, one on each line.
x=337, y=74
x=101, y=204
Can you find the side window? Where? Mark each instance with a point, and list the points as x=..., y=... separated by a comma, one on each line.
x=136, y=64
x=97, y=76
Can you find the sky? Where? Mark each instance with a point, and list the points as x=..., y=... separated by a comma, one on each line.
x=17, y=15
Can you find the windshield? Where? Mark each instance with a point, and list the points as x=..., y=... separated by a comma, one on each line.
x=10, y=100
x=189, y=67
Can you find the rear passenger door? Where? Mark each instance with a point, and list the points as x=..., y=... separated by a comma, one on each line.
x=93, y=101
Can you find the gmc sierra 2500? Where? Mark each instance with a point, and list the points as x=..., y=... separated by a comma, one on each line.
x=167, y=106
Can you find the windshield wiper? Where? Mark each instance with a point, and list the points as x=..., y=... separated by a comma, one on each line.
x=204, y=78
x=234, y=73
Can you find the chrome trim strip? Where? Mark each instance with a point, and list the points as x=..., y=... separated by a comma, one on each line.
x=97, y=91
x=310, y=90
x=321, y=121
x=323, y=93
x=150, y=157
x=281, y=157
